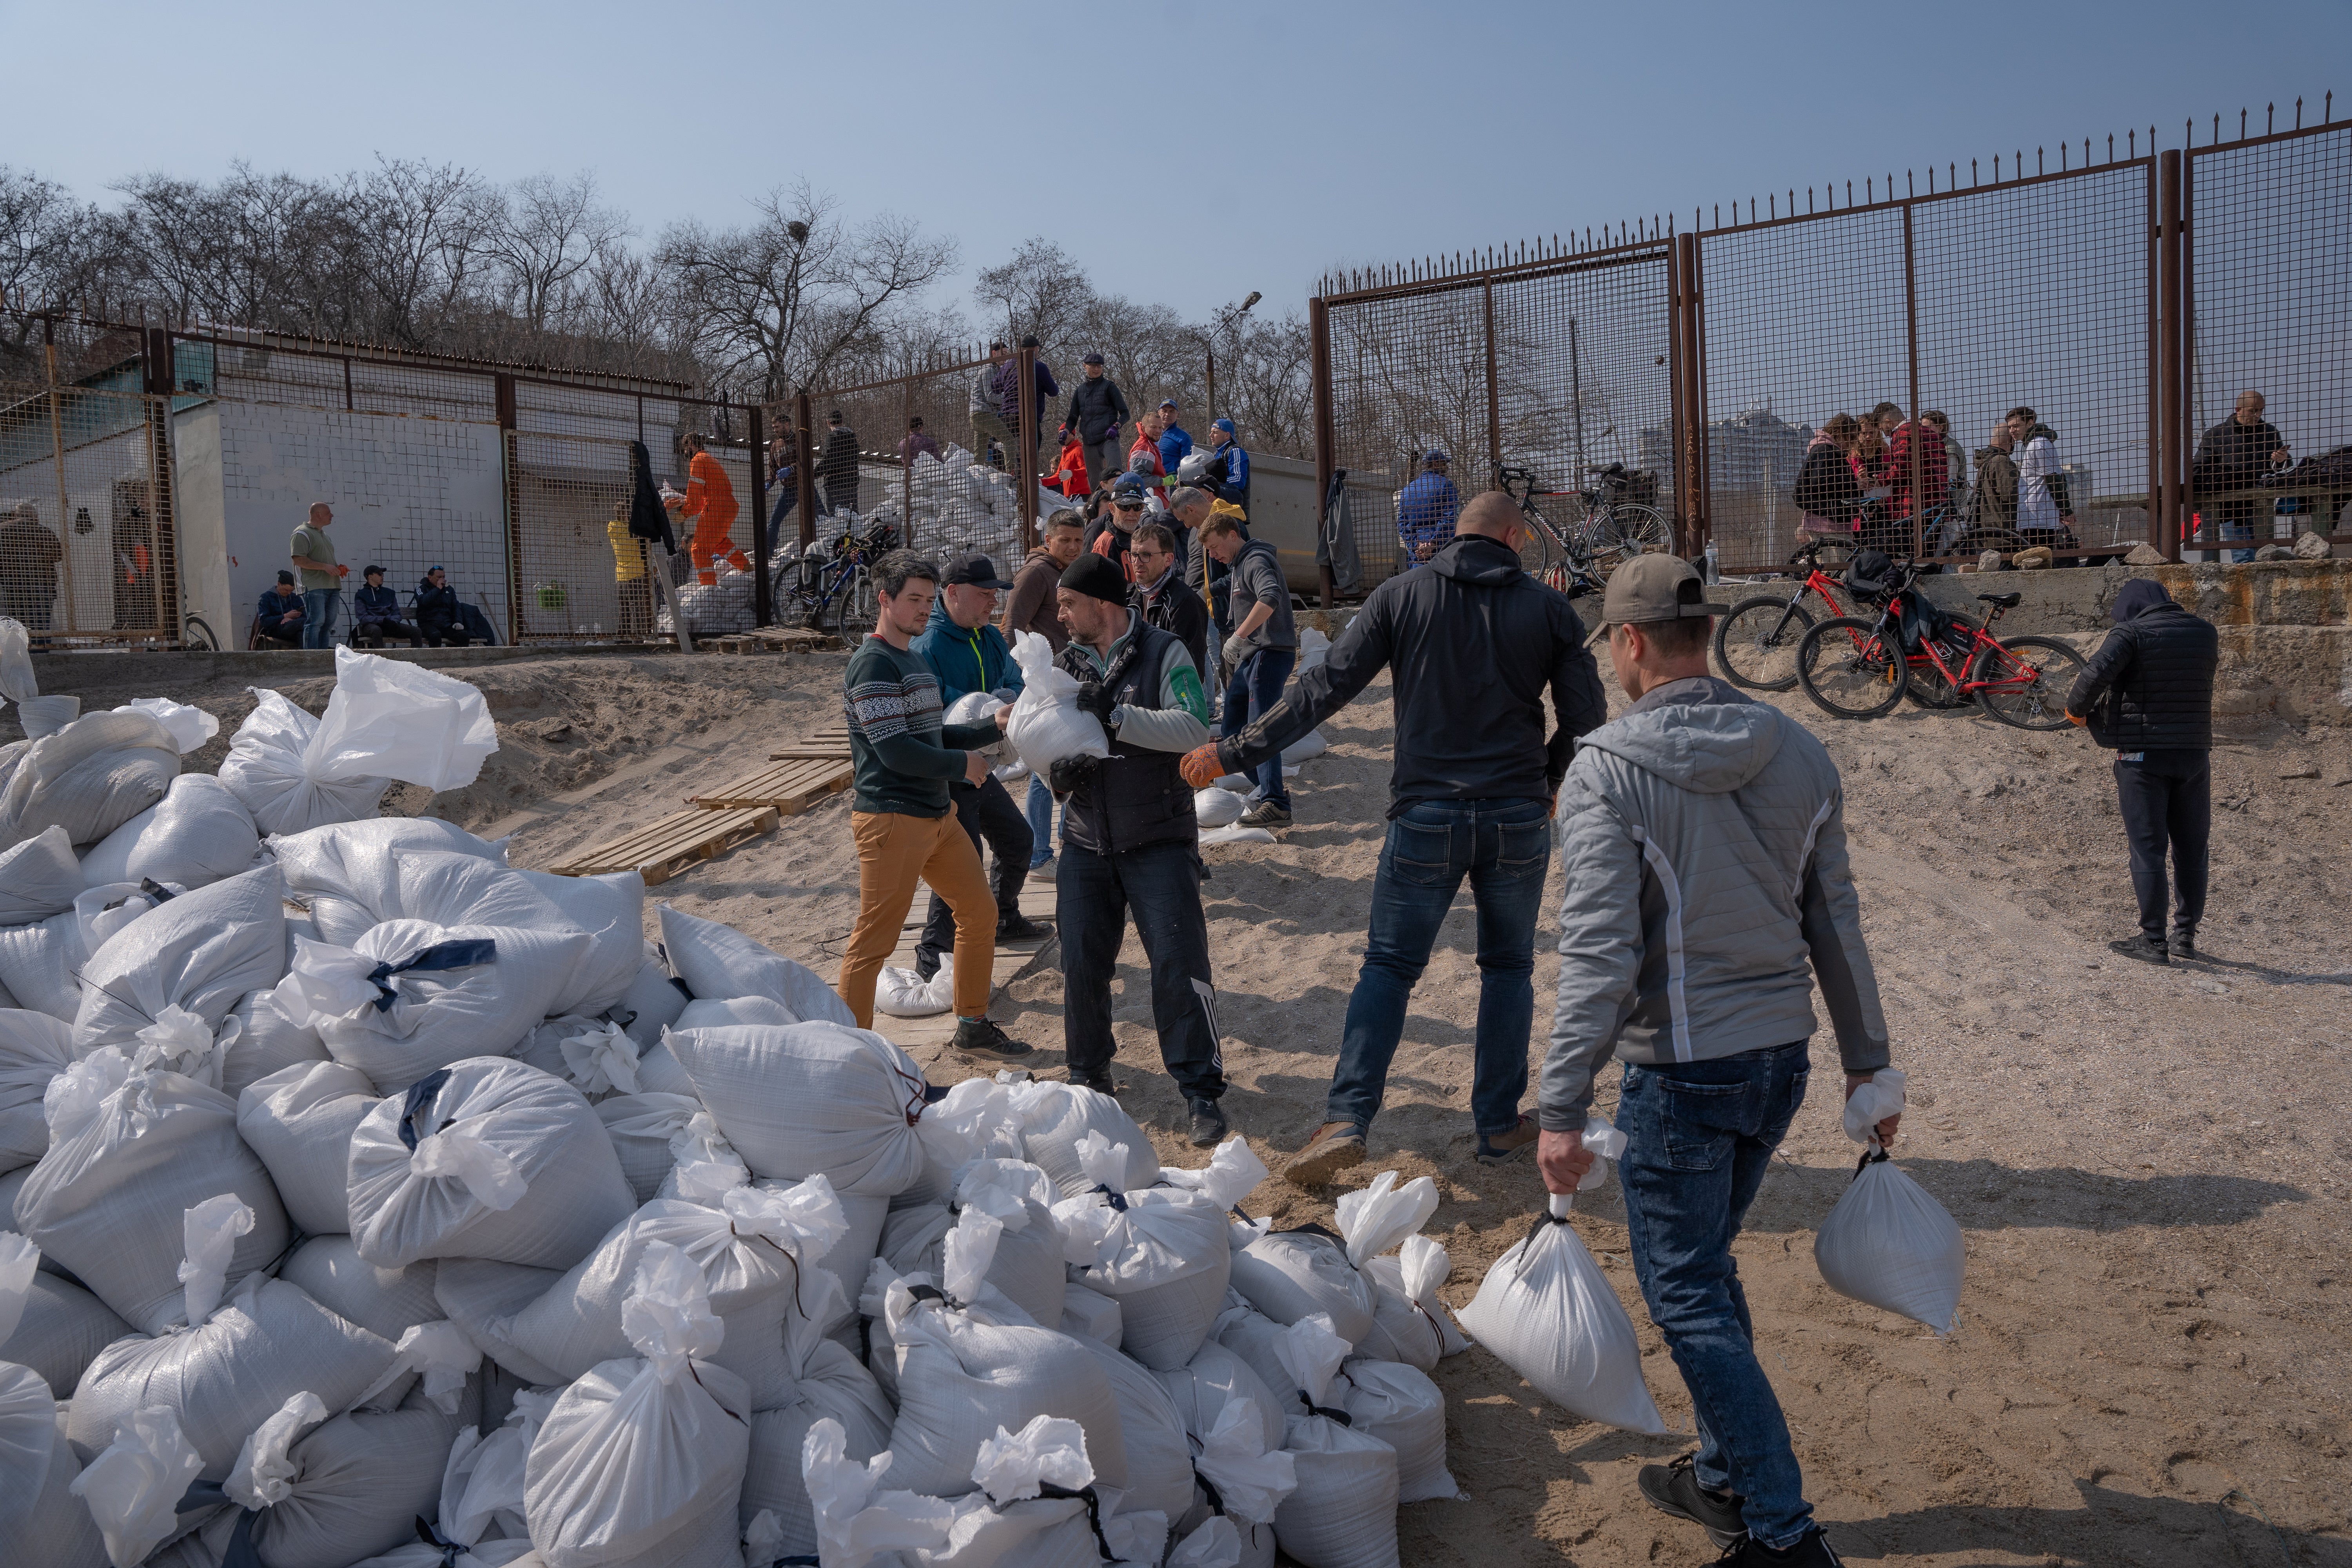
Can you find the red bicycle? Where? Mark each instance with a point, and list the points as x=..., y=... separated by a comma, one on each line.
x=1755, y=644
x=1858, y=668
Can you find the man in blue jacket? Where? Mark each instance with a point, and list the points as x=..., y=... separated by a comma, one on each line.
x=1175, y=441
x=1234, y=485
x=1426, y=509
x=969, y=655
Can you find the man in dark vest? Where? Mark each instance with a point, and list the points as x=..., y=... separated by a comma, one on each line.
x=1130, y=842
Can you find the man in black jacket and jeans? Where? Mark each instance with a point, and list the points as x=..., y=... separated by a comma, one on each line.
x=2148, y=695
x=1097, y=409
x=1475, y=644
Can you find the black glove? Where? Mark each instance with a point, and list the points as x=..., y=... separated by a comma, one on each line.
x=1095, y=698
x=1071, y=772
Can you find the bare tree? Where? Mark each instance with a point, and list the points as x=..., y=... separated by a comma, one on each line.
x=540, y=235
x=1040, y=290
x=420, y=232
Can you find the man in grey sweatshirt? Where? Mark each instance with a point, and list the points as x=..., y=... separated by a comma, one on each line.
x=1707, y=893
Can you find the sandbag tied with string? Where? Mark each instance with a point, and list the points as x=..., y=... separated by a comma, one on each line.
x=1037, y=1506
x=1028, y=1265
x=1410, y=1324
x=1887, y=1243
x=857, y=1522
x=812, y=1099
x=1342, y=1512
x=1290, y=1274
x=640, y=1464
x=825, y=1381
x=40, y=1518
x=1550, y=1314
x=1236, y=1425
x=968, y=1361
x=202, y=951
x=1056, y=1116
x=1160, y=1251
x=410, y=996
x=486, y=1158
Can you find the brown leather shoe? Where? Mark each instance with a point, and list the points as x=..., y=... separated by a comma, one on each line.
x=1336, y=1147
x=1508, y=1145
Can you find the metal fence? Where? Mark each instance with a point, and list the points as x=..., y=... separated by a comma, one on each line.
x=2125, y=298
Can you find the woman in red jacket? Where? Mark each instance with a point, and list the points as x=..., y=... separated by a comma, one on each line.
x=1070, y=476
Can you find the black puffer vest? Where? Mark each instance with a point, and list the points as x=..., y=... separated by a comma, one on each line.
x=2161, y=698
x=1138, y=796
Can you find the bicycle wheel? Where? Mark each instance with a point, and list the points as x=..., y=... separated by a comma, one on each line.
x=1756, y=645
x=198, y=637
x=1540, y=550
x=1929, y=688
x=853, y=610
x=2024, y=681
x=1629, y=531
x=1853, y=667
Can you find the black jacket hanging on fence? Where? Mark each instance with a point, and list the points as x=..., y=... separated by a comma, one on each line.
x=648, y=519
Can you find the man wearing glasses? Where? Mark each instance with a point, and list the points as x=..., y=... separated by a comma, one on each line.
x=1166, y=600
x=1112, y=534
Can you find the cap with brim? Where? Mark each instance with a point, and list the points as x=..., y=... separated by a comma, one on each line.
x=1169, y=403
x=975, y=572
x=1656, y=588
x=1436, y=457
x=1095, y=577
x=1092, y=359
x=371, y=571
x=1220, y=423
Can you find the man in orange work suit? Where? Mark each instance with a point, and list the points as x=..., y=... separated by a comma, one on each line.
x=710, y=504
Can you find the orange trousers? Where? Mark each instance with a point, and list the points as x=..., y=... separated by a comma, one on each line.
x=894, y=852
x=710, y=545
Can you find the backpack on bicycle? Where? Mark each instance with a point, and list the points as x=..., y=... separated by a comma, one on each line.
x=1874, y=578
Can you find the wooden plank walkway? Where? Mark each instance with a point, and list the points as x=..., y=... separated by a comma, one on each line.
x=792, y=787
x=662, y=849
x=925, y=1037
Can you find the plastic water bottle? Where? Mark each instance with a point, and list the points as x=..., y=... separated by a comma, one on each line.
x=1711, y=561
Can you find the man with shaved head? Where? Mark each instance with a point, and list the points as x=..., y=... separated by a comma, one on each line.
x=1474, y=645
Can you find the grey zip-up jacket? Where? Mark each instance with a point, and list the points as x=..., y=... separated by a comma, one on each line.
x=1702, y=836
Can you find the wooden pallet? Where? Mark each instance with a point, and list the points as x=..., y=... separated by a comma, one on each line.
x=662, y=849
x=830, y=741
x=792, y=787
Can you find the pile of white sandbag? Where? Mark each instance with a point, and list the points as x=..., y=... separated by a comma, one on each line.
x=724, y=608
x=962, y=506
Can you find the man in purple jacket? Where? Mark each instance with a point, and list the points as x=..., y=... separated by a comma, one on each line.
x=1008, y=403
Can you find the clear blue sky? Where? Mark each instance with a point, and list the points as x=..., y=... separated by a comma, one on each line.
x=1188, y=152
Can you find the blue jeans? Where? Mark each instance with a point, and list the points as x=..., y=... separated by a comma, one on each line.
x=1040, y=809
x=1256, y=686
x=1699, y=1138
x=319, y=607
x=1503, y=847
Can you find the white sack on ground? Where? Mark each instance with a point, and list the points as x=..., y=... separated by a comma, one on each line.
x=197, y=834
x=33, y=1049
x=1215, y=1378
x=38, y=878
x=268, y=1037
x=858, y=1524
x=413, y=996
x=481, y=1297
x=903, y=993
x=340, y=865
x=1549, y=1314
x=300, y=1123
x=486, y=1158
x=41, y=1520
x=1291, y=1275
x=89, y=778
x=203, y=952
x=1342, y=1513
x=41, y=962
x=965, y=1371
x=352, y=1483
x=641, y=1461
x=1055, y=1116
x=268, y=768
x=612, y=910
x=129, y=1153
x=1046, y=725
x=1151, y=1437
x=1009, y=1523
x=190, y=727
x=387, y=1303
x=1408, y=1322
x=62, y=1329
x=1887, y=1243
x=1310, y=745
x=1399, y=1404
x=1237, y=834
x=642, y=1127
x=718, y=961
x=825, y=1383
x=1028, y=1265
x=811, y=1098
x=1218, y=808
x=1160, y=1250
x=133, y=1488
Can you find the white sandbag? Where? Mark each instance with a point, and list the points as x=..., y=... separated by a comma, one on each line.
x=391, y=720
x=1160, y=1250
x=1549, y=1314
x=720, y=1012
x=903, y=993
x=1028, y=1265
x=41, y=964
x=197, y=834
x=1310, y=745
x=130, y=1152
x=825, y=1383
x=857, y=1525
x=1410, y=1324
x=411, y=996
x=641, y=1462
x=47, y=715
x=482, y=1505
x=312, y=1495
x=715, y=960
x=89, y=778
x=1090, y=1314
x=481, y=1297
x=1215, y=1378
x=968, y=1363
x=346, y=871
x=61, y=1329
x=300, y=1123
x=1012, y=1521
x=1218, y=808
x=652, y=1004
x=17, y=680
x=486, y=1158
x=642, y=1127
x=1237, y=834
x=1314, y=647
x=268, y=768
x=1055, y=1116
x=972, y=708
x=1046, y=725
x=1887, y=1243
x=133, y=1489
x=1400, y=1405
x=38, y=878
x=593, y=1055
x=851, y=1261
x=202, y=951
x=1292, y=1275
x=34, y=1048
x=386, y=1302
x=612, y=910
x=1342, y=1513
x=190, y=727
x=103, y=910
x=811, y=1098
x=1151, y=1435
x=268, y=1037
x=40, y=1519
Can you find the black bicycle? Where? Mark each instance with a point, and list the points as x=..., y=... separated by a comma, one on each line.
x=837, y=595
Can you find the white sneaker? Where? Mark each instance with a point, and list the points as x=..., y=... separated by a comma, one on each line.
x=1045, y=873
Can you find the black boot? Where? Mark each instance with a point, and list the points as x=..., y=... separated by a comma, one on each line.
x=2145, y=948
x=1674, y=1488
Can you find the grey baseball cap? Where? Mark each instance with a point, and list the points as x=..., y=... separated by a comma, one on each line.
x=1656, y=588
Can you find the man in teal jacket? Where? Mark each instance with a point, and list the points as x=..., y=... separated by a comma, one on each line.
x=969, y=655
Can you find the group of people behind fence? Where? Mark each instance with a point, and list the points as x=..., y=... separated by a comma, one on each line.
x=1882, y=481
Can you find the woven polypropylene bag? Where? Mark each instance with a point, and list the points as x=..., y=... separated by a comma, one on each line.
x=717, y=960
x=41, y=1521
x=1056, y=1116
x=269, y=767
x=386, y=1302
x=34, y=1048
x=300, y=1123
x=89, y=778
x=816, y=1099
x=1290, y=1274
x=38, y=878
x=1549, y=1314
x=346, y=873
x=62, y=1329
x=1889, y=1244
x=1399, y=1404
x=1342, y=1513
x=824, y=1382
x=358, y=1482
x=197, y=834
x=203, y=952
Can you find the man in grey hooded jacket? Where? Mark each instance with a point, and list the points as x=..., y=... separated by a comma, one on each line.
x=1707, y=893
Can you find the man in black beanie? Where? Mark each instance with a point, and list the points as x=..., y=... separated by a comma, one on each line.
x=1130, y=842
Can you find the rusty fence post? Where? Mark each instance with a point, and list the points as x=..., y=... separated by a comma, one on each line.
x=1911, y=348
x=1677, y=405
x=2184, y=430
x=804, y=466
x=1025, y=470
x=511, y=490
x=2153, y=500
x=1319, y=320
x=1494, y=398
x=907, y=459
x=2168, y=292
x=764, y=602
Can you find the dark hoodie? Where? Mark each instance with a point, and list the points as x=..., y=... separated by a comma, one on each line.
x=1033, y=607
x=1474, y=643
x=2151, y=685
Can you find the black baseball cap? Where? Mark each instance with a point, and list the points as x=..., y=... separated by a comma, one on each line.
x=974, y=572
x=1095, y=576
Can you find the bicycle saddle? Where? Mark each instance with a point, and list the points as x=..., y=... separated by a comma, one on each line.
x=2002, y=601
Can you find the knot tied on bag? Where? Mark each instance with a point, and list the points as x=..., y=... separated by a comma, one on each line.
x=456, y=1151
x=1086, y=1495
x=460, y=953
x=1325, y=1411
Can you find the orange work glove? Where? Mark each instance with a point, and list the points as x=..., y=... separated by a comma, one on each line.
x=2078, y=720
x=1201, y=767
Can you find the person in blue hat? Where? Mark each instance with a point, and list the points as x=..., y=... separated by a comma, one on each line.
x=1233, y=486
x=1426, y=509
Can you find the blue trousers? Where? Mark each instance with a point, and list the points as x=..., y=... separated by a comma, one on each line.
x=319, y=607
x=1039, y=808
x=1256, y=686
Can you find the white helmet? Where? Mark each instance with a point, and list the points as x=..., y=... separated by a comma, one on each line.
x=1195, y=466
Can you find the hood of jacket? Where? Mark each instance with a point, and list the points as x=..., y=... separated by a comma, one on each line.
x=1987, y=454
x=1474, y=558
x=1036, y=553
x=2041, y=433
x=1706, y=748
x=2137, y=597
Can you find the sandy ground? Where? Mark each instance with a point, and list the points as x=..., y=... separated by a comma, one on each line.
x=2151, y=1365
